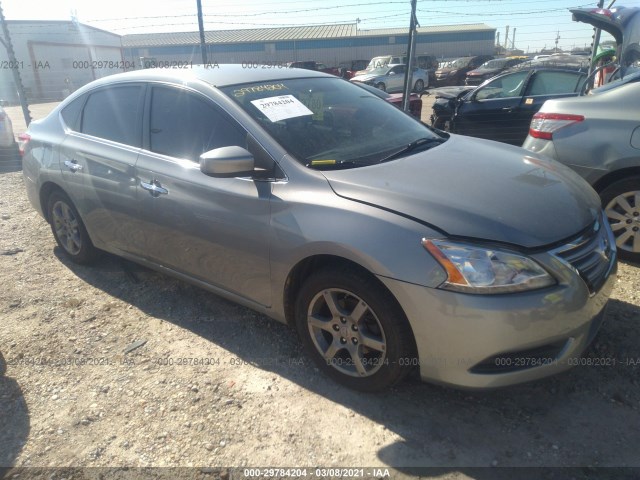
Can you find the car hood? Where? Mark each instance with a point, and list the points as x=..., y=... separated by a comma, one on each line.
x=483, y=71
x=478, y=189
x=366, y=77
x=450, y=92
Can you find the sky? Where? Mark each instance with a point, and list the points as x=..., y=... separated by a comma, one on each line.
x=538, y=23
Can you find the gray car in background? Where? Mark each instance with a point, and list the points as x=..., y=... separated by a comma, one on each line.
x=598, y=135
x=389, y=246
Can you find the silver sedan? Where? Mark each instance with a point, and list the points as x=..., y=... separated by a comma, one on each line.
x=390, y=78
x=389, y=246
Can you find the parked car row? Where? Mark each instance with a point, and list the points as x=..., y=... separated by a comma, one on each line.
x=490, y=69
x=455, y=71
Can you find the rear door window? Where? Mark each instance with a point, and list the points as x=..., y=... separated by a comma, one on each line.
x=550, y=83
x=114, y=114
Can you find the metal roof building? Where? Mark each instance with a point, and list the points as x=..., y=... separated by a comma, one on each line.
x=329, y=44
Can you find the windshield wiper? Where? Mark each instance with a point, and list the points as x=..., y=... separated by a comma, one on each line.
x=421, y=142
x=336, y=164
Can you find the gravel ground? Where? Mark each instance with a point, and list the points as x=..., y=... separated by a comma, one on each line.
x=115, y=365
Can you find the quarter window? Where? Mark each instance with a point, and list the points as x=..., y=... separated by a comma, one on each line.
x=183, y=125
x=113, y=114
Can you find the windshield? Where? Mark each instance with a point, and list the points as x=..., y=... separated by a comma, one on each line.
x=458, y=63
x=377, y=62
x=329, y=123
x=379, y=71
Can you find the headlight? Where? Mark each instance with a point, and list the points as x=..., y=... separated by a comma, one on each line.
x=486, y=270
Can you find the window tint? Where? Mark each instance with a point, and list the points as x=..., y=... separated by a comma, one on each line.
x=71, y=113
x=183, y=125
x=112, y=113
x=548, y=83
x=504, y=87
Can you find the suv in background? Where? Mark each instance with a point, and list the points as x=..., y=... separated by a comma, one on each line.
x=455, y=71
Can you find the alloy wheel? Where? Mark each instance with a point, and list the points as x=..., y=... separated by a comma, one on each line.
x=346, y=332
x=66, y=227
x=623, y=212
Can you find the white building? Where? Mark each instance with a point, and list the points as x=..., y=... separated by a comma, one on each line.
x=57, y=57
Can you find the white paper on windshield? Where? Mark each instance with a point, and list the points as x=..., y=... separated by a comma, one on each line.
x=282, y=107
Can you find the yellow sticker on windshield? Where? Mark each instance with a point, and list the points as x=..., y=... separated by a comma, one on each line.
x=528, y=101
x=273, y=87
x=323, y=162
x=315, y=102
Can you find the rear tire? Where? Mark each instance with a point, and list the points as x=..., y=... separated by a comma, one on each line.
x=419, y=86
x=621, y=202
x=69, y=230
x=354, y=329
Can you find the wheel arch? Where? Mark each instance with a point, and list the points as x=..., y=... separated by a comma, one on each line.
x=305, y=267
x=46, y=190
x=612, y=177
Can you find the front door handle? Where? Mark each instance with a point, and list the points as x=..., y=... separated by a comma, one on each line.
x=154, y=187
x=73, y=165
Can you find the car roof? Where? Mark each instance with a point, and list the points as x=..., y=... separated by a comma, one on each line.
x=217, y=75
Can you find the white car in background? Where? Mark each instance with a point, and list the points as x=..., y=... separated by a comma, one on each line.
x=7, y=141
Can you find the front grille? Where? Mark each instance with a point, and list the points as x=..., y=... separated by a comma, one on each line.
x=592, y=255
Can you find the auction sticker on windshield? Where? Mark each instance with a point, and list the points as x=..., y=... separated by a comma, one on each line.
x=281, y=108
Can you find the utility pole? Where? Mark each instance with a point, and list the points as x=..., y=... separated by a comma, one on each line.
x=408, y=68
x=557, y=39
x=596, y=40
x=203, y=45
x=11, y=55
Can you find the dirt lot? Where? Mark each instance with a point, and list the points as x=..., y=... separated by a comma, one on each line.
x=115, y=365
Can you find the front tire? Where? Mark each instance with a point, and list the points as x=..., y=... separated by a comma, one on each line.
x=68, y=229
x=419, y=86
x=381, y=86
x=621, y=203
x=354, y=329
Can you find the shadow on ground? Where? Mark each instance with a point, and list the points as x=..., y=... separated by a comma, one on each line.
x=14, y=417
x=586, y=417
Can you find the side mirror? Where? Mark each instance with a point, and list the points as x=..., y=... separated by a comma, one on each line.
x=227, y=162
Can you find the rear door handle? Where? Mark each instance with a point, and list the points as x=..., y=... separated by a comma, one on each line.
x=154, y=188
x=73, y=165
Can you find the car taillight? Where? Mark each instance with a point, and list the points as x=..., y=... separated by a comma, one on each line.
x=544, y=125
x=23, y=140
